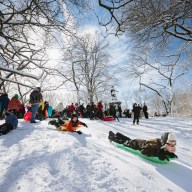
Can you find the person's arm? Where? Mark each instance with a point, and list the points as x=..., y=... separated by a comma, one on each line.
x=85, y=125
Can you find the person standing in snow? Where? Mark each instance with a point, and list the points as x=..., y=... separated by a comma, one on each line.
x=160, y=148
x=35, y=99
x=100, y=110
x=136, y=113
x=11, y=123
x=145, y=111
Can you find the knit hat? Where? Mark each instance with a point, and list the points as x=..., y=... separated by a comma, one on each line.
x=167, y=138
x=16, y=96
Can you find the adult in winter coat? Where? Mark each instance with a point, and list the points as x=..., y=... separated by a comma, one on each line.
x=136, y=113
x=4, y=101
x=14, y=104
x=113, y=111
x=145, y=111
x=100, y=110
x=11, y=123
x=159, y=147
x=35, y=99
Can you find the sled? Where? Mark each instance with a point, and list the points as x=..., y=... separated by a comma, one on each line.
x=64, y=128
x=138, y=153
x=27, y=116
x=108, y=118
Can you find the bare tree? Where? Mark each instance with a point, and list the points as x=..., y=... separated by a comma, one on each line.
x=87, y=62
x=150, y=18
x=21, y=22
x=159, y=77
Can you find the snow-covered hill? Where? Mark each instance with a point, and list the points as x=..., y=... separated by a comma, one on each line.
x=38, y=158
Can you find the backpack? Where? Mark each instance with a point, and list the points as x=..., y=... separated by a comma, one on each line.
x=35, y=97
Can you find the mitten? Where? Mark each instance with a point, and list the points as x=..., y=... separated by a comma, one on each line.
x=84, y=125
x=162, y=156
x=172, y=155
x=79, y=132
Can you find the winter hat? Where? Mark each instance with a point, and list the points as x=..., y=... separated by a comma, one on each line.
x=73, y=115
x=167, y=138
x=16, y=96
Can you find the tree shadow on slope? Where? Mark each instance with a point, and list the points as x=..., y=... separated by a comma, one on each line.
x=16, y=135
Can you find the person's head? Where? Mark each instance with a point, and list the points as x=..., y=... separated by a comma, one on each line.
x=74, y=118
x=39, y=89
x=168, y=141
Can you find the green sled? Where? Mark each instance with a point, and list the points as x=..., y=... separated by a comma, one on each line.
x=137, y=152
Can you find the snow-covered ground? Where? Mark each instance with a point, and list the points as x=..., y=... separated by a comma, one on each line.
x=38, y=158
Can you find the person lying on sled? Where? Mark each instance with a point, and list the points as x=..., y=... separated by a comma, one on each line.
x=162, y=148
x=72, y=125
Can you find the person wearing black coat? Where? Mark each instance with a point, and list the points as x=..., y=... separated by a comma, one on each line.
x=136, y=113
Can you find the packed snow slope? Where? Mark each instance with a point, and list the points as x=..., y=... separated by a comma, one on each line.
x=38, y=158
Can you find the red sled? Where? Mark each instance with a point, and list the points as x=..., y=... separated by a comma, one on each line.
x=27, y=116
x=108, y=118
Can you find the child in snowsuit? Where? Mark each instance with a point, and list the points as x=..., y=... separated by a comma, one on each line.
x=11, y=123
x=71, y=125
x=160, y=148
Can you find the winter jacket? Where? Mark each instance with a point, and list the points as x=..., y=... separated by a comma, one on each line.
x=4, y=100
x=11, y=119
x=150, y=148
x=136, y=110
x=72, y=108
x=145, y=108
x=99, y=106
x=38, y=96
x=71, y=126
x=14, y=103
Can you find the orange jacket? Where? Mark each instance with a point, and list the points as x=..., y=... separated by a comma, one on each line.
x=69, y=126
x=14, y=103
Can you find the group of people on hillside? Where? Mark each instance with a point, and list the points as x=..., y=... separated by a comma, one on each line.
x=157, y=147
x=39, y=107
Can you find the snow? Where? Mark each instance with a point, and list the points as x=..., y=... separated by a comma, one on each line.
x=38, y=158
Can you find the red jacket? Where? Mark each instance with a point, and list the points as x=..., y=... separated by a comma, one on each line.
x=14, y=104
x=72, y=108
x=99, y=106
x=69, y=126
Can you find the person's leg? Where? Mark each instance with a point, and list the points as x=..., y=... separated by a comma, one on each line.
x=137, y=120
x=5, y=128
x=121, y=136
x=34, y=109
x=134, y=118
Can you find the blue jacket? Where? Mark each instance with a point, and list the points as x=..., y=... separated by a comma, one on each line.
x=4, y=102
x=11, y=119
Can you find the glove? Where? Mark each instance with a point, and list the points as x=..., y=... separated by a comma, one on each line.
x=79, y=132
x=162, y=156
x=84, y=125
x=172, y=155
